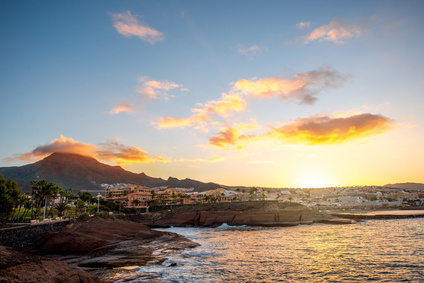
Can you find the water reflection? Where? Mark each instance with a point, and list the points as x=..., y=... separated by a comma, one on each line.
x=380, y=250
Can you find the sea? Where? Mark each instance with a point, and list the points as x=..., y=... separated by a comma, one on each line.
x=368, y=251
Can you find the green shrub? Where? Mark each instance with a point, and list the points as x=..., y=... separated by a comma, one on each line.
x=102, y=214
x=84, y=216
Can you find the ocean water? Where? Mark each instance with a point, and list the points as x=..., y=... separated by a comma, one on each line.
x=377, y=250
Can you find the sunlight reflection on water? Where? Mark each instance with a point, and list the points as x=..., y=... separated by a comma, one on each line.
x=379, y=250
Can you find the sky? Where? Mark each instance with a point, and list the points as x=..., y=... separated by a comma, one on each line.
x=240, y=93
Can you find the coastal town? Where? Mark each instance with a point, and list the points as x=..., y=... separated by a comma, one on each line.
x=358, y=197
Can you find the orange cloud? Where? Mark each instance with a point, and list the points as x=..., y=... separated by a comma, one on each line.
x=233, y=137
x=111, y=151
x=228, y=103
x=122, y=108
x=128, y=25
x=172, y=122
x=122, y=154
x=336, y=31
x=156, y=89
x=314, y=130
x=63, y=144
x=302, y=88
x=322, y=130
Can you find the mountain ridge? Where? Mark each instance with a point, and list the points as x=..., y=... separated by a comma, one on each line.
x=81, y=172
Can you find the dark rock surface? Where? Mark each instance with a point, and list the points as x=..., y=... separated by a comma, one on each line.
x=104, y=246
x=264, y=214
x=16, y=266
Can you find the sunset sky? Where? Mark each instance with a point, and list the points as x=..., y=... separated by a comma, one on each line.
x=253, y=93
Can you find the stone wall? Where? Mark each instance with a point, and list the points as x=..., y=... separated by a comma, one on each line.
x=24, y=236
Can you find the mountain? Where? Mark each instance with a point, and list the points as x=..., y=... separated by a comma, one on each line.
x=85, y=173
x=407, y=186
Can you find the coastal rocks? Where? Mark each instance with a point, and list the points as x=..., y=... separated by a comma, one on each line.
x=100, y=243
x=251, y=214
x=16, y=266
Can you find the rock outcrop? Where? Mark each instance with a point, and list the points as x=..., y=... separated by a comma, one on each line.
x=104, y=246
x=266, y=214
x=16, y=266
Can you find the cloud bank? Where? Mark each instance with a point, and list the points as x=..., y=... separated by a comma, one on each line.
x=324, y=130
x=111, y=151
x=314, y=130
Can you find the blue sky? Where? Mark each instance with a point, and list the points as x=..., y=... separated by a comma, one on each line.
x=97, y=77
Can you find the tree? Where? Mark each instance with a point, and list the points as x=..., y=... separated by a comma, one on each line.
x=9, y=196
x=19, y=204
x=79, y=205
x=61, y=207
x=28, y=205
x=86, y=197
x=42, y=192
x=136, y=202
x=252, y=192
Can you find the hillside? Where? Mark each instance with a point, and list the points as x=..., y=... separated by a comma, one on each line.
x=407, y=186
x=86, y=173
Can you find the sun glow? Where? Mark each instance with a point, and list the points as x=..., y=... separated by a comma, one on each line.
x=314, y=180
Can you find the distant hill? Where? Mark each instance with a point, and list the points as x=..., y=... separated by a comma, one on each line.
x=408, y=186
x=189, y=183
x=86, y=173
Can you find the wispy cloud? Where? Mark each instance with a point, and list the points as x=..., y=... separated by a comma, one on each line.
x=122, y=108
x=252, y=50
x=228, y=103
x=303, y=25
x=151, y=89
x=128, y=25
x=336, y=31
x=302, y=88
x=157, y=89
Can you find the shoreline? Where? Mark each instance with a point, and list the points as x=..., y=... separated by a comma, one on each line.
x=379, y=214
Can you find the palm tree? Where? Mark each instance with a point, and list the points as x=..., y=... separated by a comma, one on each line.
x=40, y=191
x=28, y=205
x=20, y=201
x=61, y=207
